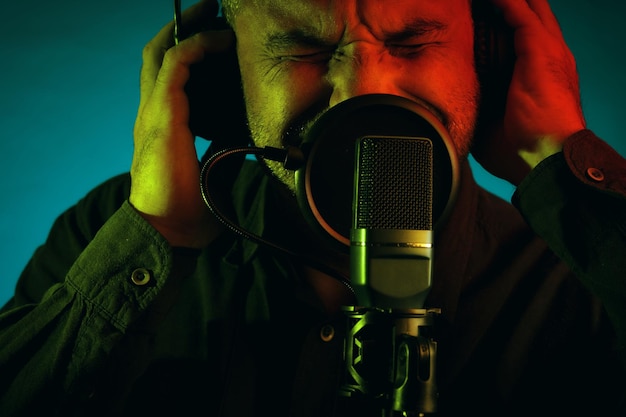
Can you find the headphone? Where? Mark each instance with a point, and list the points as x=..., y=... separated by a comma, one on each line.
x=494, y=57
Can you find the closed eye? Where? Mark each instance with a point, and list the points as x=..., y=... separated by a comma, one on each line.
x=299, y=46
x=312, y=57
x=417, y=35
x=407, y=50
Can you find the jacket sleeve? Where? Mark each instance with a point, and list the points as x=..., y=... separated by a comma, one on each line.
x=87, y=303
x=576, y=201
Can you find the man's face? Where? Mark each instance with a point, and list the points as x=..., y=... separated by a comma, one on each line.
x=300, y=57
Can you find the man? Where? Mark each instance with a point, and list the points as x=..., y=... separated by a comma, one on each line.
x=141, y=303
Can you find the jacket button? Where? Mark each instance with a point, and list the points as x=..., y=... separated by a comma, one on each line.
x=140, y=276
x=595, y=174
x=327, y=333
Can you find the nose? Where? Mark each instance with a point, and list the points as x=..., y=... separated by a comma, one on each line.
x=359, y=69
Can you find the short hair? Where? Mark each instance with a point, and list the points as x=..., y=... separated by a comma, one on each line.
x=229, y=9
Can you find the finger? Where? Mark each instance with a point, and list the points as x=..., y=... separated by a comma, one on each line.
x=528, y=13
x=543, y=10
x=155, y=50
x=198, y=17
x=167, y=94
x=193, y=20
x=517, y=13
x=174, y=70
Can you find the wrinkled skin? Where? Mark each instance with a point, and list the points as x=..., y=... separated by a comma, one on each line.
x=292, y=64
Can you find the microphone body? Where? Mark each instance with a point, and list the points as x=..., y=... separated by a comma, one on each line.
x=390, y=349
x=391, y=240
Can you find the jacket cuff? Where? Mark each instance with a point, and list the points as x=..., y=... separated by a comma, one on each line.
x=595, y=163
x=129, y=268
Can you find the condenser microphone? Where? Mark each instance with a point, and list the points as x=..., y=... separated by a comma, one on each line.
x=380, y=176
x=391, y=240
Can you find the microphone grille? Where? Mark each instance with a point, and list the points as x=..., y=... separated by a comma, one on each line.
x=394, y=183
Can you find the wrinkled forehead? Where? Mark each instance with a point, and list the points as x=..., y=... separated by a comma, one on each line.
x=282, y=8
x=329, y=14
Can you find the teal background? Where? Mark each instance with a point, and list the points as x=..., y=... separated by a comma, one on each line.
x=69, y=92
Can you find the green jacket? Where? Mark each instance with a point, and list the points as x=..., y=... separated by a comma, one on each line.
x=108, y=319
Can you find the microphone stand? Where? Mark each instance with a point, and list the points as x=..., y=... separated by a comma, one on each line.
x=405, y=175
x=390, y=360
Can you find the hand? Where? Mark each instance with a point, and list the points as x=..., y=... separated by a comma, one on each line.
x=543, y=106
x=165, y=171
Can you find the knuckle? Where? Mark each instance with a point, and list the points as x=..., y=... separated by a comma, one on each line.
x=153, y=51
x=148, y=50
x=171, y=55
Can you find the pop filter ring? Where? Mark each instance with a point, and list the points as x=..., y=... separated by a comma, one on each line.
x=325, y=183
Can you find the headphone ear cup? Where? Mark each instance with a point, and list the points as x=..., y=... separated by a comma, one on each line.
x=482, y=38
x=494, y=56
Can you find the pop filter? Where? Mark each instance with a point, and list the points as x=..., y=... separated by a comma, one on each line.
x=325, y=183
